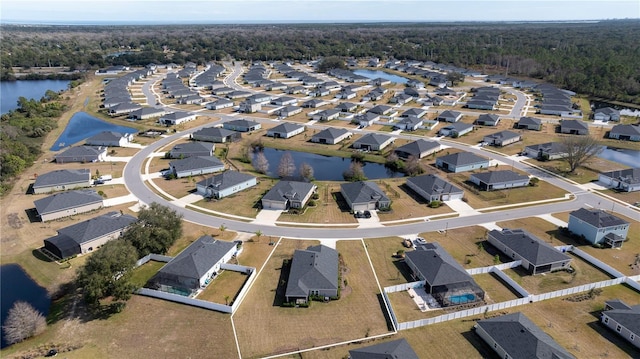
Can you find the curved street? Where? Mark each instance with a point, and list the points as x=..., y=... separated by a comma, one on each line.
x=135, y=184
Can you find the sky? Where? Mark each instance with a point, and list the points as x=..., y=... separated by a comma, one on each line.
x=260, y=11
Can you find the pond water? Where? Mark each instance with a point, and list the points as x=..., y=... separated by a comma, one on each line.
x=326, y=168
x=374, y=74
x=623, y=156
x=10, y=91
x=16, y=285
x=82, y=126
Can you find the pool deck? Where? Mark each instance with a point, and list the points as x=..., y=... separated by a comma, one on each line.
x=423, y=300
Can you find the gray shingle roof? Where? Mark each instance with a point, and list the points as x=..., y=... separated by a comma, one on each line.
x=214, y=132
x=105, y=136
x=488, y=117
x=346, y=106
x=97, y=227
x=195, y=260
x=549, y=148
x=607, y=111
x=503, y=135
x=417, y=147
x=241, y=123
x=458, y=126
x=413, y=112
x=496, y=177
x=380, y=109
x=195, y=163
x=312, y=269
x=528, y=121
x=176, y=115
x=433, y=184
x=190, y=148
x=286, y=127
x=62, y=177
x=628, y=318
x=437, y=266
x=631, y=130
x=289, y=190
x=529, y=246
x=448, y=114
x=331, y=133
x=629, y=175
x=574, y=124
x=521, y=338
x=66, y=200
x=395, y=349
x=598, y=218
x=411, y=121
x=372, y=139
x=363, y=192
x=225, y=180
x=82, y=151
x=462, y=159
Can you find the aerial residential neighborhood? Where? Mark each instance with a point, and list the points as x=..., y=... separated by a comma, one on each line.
x=380, y=207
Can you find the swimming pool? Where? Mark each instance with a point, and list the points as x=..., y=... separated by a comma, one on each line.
x=462, y=298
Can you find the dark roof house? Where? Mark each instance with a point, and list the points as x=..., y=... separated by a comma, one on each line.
x=493, y=180
x=364, y=195
x=60, y=180
x=598, y=227
x=434, y=188
x=461, y=161
x=574, y=127
x=395, y=349
x=418, y=149
x=314, y=271
x=191, y=149
x=288, y=194
x=624, y=320
x=67, y=203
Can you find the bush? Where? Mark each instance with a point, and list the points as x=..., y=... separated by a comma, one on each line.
x=435, y=204
x=311, y=203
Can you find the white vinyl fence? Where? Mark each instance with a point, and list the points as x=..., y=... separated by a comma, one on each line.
x=185, y=300
x=154, y=257
x=489, y=269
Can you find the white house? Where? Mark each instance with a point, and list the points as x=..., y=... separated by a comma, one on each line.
x=225, y=184
x=176, y=118
x=110, y=139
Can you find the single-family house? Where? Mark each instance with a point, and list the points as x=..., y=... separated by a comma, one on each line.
x=110, y=139
x=193, y=99
x=275, y=86
x=195, y=165
x=433, y=188
x=123, y=108
x=88, y=235
x=320, y=91
x=146, y=113
x=625, y=132
x=398, y=348
x=488, y=119
x=456, y=129
x=238, y=94
x=624, y=319
x=627, y=180
x=285, y=130
x=417, y=149
x=494, y=180
x=449, y=116
x=529, y=123
x=68, y=203
x=326, y=115
x=373, y=142
x=62, y=180
x=444, y=278
x=536, y=256
x=249, y=106
x=380, y=110
x=461, y=162
x=288, y=194
x=225, y=184
x=416, y=84
x=294, y=90
x=331, y=136
x=242, y=125
x=222, y=91
x=574, y=127
x=347, y=107
x=414, y=112
x=191, y=149
x=546, y=151
x=176, y=118
x=410, y=123
x=515, y=336
x=366, y=119
x=284, y=101
x=313, y=272
x=289, y=111
x=82, y=154
x=598, y=227
x=373, y=95
x=606, y=114
x=401, y=99
x=314, y=103
x=364, y=195
x=502, y=138
x=432, y=101
x=219, y=104
x=214, y=134
x=195, y=266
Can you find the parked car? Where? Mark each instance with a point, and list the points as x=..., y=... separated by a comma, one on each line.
x=97, y=182
x=366, y=214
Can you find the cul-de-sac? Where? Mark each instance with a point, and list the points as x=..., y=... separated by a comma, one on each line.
x=348, y=190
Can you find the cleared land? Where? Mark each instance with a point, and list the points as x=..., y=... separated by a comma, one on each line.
x=357, y=312
x=224, y=288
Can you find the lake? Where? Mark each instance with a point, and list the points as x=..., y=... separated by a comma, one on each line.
x=623, y=156
x=374, y=74
x=16, y=285
x=82, y=126
x=326, y=168
x=12, y=90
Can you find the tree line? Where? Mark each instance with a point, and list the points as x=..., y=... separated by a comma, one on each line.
x=598, y=59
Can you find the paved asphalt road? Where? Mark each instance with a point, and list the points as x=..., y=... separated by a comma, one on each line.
x=135, y=184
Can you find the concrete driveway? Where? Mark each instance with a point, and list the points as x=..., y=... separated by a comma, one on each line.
x=267, y=216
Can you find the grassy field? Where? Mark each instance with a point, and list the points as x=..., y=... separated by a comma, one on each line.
x=224, y=288
x=142, y=274
x=620, y=259
x=390, y=269
x=495, y=290
x=330, y=208
x=628, y=197
x=357, y=313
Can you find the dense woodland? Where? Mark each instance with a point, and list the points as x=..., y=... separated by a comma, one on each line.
x=598, y=59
